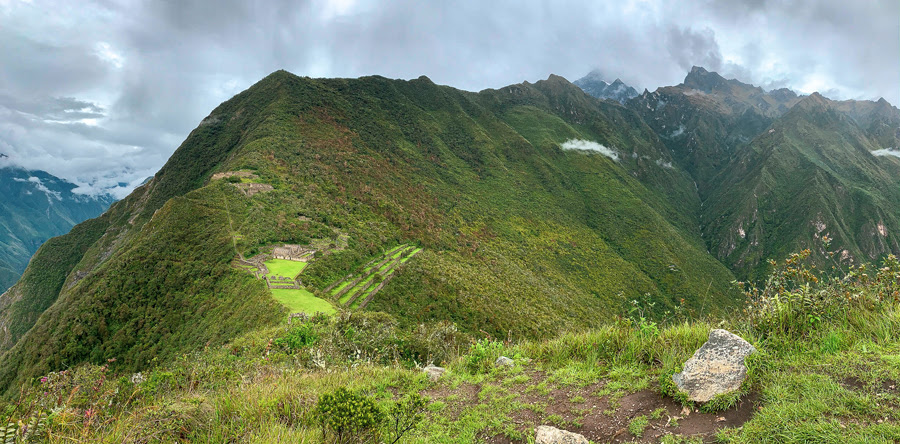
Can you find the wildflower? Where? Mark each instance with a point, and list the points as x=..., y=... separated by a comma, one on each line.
x=44, y=380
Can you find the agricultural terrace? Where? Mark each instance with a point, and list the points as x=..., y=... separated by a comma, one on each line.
x=301, y=300
x=356, y=290
x=284, y=268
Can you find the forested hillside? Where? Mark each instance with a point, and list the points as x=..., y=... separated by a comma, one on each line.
x=525, y=225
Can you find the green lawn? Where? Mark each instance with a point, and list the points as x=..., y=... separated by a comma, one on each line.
x=302, y=300
x=286, y=268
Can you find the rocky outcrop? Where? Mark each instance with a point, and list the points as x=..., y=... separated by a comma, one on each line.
x=716, y=368
x=552, y=435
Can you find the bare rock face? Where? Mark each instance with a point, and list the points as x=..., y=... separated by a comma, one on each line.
x=552, y=435
x=716, y=368
x=503, y=361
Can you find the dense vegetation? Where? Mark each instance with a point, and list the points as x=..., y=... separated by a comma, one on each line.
x=519, y=235
x=775, y=172
x=826, y=371
x=35, y=207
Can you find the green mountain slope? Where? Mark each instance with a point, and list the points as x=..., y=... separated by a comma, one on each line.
x=517, y=233
x=776, y=172
x=811, y=175
x=706, y=119
x=35, y=206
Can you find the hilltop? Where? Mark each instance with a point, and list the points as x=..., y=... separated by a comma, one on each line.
x=520, y=213
x=520, y=233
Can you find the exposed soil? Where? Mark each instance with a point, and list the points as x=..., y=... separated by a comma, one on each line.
x=582, y=411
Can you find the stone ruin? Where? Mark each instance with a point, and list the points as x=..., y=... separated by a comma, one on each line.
x=253, y=188
x=293, y=253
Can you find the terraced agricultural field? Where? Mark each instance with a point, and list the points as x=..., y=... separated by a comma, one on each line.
x=286, y=288
x=285, y=268
x=357, y=289
x=301, y=300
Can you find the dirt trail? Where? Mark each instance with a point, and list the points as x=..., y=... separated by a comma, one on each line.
x=599, y=418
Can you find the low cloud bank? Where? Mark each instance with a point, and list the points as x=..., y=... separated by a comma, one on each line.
x=886, y=152
x=587, y=145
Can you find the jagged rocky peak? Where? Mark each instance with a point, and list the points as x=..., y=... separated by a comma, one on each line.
x=813, y=101
x=593, y=84
x=783, y=94
x=703, y=80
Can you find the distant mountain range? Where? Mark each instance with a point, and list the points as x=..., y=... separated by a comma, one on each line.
x=594, y=85
x=777, y=172
x=539, y=208
x=35, y=206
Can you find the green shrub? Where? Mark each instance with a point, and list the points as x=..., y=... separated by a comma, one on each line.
x=298, y=337
x=348, y=417
x=405, y=415
x=482, y=354
x=432, y=343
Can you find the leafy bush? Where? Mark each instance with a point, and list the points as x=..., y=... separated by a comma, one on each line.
x=348, y=417
x=797, y=298
x=432, y=343
x=298, y=337
x=482, y=354
x=405, y=414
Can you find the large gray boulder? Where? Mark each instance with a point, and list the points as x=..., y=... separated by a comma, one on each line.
x=716, y=368
x=553, y=435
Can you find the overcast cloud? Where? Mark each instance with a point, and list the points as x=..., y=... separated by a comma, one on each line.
x=101, y=93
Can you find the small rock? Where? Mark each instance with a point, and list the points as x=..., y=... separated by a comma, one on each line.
x=552, y=435
x=685, y=411
x=716, y=368
x=434, y=373
x=503, y=361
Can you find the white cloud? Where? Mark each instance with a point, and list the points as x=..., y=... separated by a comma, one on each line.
x=587, y=145
x=886, y=152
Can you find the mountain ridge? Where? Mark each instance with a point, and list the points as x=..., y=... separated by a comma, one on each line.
x=538, y=209
x=35, y=207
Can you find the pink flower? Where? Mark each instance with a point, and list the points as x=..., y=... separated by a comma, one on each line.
x=43, y=380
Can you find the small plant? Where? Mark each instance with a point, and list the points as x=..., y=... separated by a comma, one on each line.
x=668, y=387
x=640, y=313
x=722, y=401
x=678, y=439
x=556, y=419
x=637, y=426
x=405, y=415
x=659, y=413
x=297, y=338
x=347, y=417
x=482, y=355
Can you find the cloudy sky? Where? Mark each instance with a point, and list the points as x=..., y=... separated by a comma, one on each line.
x=102, y=92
